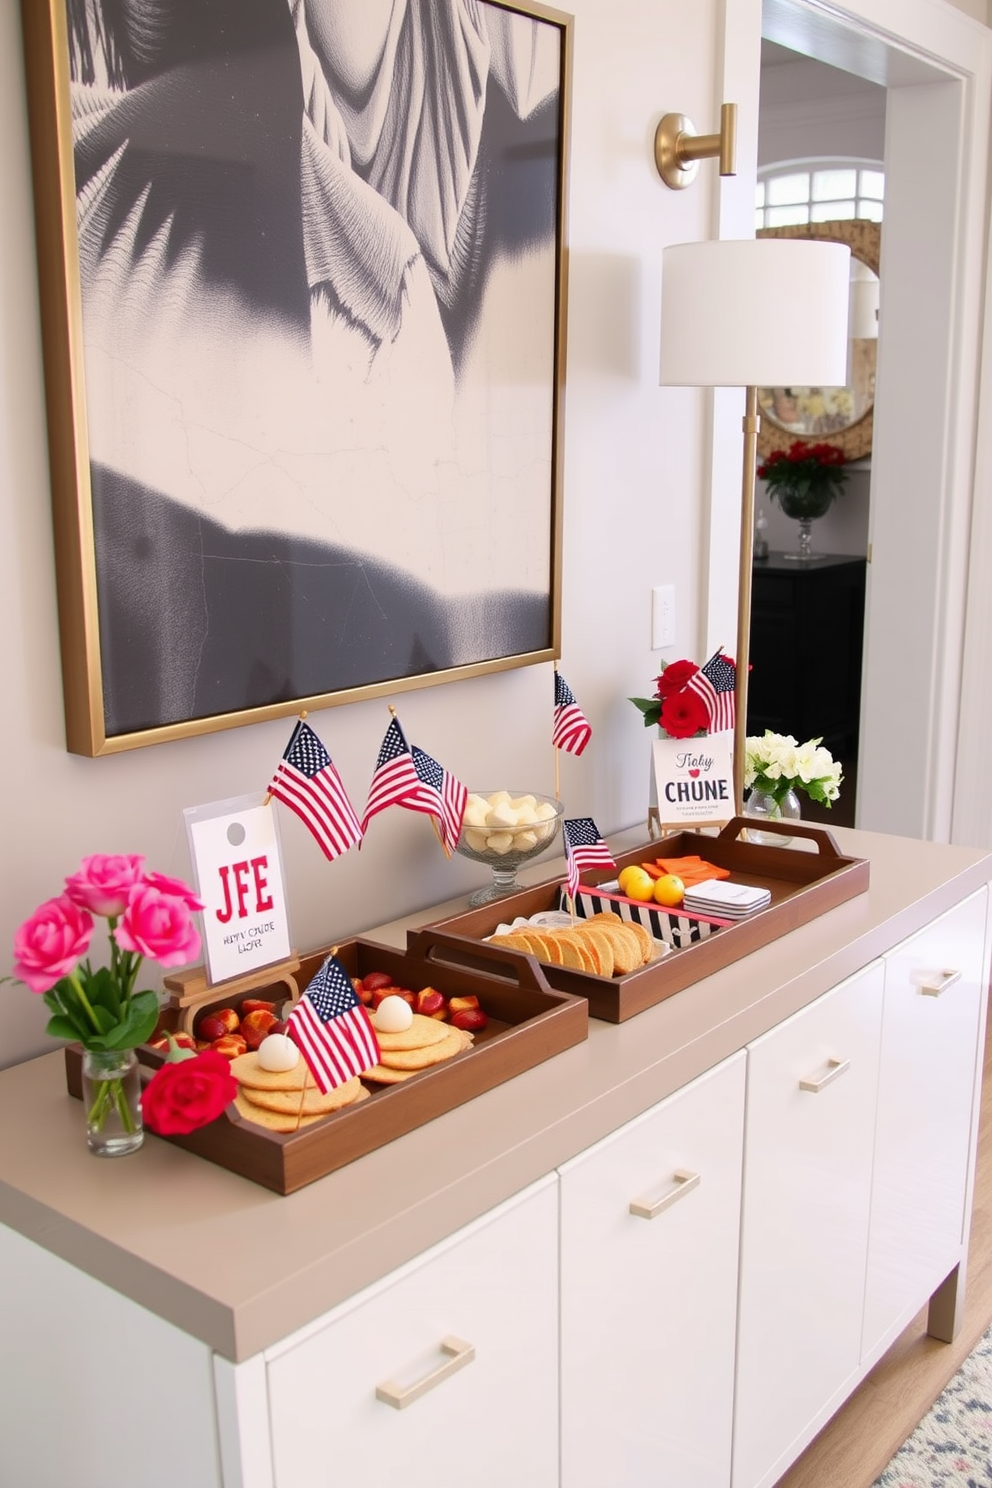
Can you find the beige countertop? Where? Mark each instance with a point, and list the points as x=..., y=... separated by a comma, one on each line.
x=240, y=1267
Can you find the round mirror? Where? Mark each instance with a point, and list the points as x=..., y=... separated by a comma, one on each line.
x=840, y=416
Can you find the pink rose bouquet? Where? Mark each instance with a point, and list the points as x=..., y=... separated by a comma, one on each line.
x=147, y=914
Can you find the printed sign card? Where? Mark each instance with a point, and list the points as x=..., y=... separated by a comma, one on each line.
x=234, y=847
x=694, y=778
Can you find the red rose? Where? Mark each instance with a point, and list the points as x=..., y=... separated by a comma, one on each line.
x=674, y=677
x=684, y=714
x=775, y=458
x=181, y=1097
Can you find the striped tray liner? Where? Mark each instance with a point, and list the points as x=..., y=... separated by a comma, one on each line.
x=677, y=930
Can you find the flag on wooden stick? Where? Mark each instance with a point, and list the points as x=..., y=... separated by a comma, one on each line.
x=307, y=782
x=715, y=683
x=332, y=1029
x=572, y=730
x=584, y=849
x=414, y=779
x=444, y=796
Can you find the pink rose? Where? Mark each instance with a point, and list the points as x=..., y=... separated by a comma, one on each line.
x=176, y=888
x=158, y=925
x=104, y=881
x=51, y=943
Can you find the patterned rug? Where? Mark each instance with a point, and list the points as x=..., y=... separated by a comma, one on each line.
x=952, y=1446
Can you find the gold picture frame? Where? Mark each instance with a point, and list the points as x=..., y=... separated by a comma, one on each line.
x=322, y=546
x=864, y=239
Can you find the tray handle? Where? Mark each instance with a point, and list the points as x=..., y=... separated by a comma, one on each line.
x=824, y=839
x=470, y=955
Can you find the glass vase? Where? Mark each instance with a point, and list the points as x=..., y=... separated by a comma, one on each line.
x=804, y=507
x=112, y=1102
x=763, y=806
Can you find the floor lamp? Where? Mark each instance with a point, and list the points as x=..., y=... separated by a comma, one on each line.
x=768, y=312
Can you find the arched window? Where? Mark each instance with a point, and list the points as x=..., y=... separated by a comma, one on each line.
x=795, y=191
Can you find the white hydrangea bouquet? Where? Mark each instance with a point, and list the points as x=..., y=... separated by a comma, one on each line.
x=775, y=764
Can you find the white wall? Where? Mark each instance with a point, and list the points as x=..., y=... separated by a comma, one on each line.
x=633, y=515
x=809, y=109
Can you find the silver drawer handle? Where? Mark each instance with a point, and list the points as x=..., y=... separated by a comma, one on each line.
x=651, y=1208
x=459, y=1354
x=835, y=1068
x=937, y=982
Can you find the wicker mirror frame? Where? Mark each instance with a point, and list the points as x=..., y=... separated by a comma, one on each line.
x=865, y=241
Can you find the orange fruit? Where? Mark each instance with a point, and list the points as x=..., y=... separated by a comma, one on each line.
x=638, y=885
x=626, y=874
x=668, y=890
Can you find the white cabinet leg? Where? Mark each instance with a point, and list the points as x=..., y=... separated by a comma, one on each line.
x=947, y=1307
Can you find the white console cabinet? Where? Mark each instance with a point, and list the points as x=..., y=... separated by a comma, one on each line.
x=934, y=1013
x=859, y=1157
x=811, y=1092
x=398, y=1384
x=649, y=1235
x=665, y=1256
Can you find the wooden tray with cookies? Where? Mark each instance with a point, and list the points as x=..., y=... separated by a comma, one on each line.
x=801, y=885
x=283, y=1133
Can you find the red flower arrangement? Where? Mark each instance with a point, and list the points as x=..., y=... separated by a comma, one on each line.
x=689, y=699
x=805, y=478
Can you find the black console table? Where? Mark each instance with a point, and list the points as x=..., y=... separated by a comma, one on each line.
x=807, y=630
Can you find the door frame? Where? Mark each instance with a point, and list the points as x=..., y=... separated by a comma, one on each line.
x=927, y=684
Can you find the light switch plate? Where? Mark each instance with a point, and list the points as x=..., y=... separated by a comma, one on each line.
x=662, y=616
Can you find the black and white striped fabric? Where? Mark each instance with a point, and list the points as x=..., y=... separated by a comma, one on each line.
x=677, y=930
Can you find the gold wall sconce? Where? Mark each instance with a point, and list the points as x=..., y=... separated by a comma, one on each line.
x=678, y=149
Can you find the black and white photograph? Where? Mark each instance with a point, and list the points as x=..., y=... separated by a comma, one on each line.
x=320, y=248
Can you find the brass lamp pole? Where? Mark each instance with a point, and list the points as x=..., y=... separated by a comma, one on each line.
x=751, y=424
x=745, y=313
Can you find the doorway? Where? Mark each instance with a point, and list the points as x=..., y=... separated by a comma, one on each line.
x=935, y=70
x=821, y=142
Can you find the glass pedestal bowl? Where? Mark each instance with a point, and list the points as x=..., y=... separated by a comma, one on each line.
x=504, y=847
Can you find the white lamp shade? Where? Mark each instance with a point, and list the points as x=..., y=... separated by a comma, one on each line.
x=864, y=300
x=763, y=312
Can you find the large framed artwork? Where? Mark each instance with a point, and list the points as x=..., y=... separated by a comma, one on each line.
x=302, y=271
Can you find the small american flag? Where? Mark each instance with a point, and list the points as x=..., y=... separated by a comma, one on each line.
x=332, y=1029
x=395, y=782
x=584, y=849
x=444, y=797
x=572, y=730
x=714, y=683
x=307, y=782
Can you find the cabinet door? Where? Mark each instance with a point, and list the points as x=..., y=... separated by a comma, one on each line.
x=934, y=997
x=648, y=1304
x=804, y=1230
x=463, y=1341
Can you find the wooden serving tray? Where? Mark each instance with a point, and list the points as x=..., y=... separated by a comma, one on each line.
x=528, y=1023
x=802, y=884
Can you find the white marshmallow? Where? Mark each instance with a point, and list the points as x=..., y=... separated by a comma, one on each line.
x=499, y=842
x=393, y=1015
x=278, y=1053
x=503, y=815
